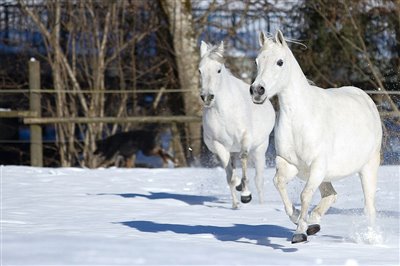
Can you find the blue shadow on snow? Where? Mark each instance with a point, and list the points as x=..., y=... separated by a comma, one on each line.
x=188, y=199
x=236, y=233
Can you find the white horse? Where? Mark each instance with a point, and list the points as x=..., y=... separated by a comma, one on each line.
x=232, y=124
x=320, y=136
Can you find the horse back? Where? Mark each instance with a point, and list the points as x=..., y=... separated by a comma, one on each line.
x=357, y=106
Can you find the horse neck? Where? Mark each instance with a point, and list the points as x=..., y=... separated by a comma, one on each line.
x=295, y=97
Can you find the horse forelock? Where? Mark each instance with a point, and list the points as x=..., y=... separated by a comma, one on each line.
x=215, y=54
x=270, y=41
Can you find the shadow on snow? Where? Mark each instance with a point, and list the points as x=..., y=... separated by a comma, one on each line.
x=237, y=233
x=188, y=199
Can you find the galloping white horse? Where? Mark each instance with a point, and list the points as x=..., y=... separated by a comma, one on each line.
x=321, y=135
x=232, y=124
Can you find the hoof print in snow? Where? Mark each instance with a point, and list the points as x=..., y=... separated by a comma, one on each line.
x=313, y=229
x=245, y=199
x=298, y=238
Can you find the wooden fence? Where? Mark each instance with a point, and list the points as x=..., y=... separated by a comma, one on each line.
x=34, y=119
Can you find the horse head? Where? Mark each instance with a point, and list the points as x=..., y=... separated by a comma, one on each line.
x=211, y=69
x=273, y=66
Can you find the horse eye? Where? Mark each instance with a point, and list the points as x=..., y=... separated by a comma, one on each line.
x=219, y=71
x=280, y=62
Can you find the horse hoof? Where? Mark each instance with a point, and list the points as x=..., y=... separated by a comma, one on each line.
x=313, y=229
x=298, y=238
x=239, y=187
x=245, y=199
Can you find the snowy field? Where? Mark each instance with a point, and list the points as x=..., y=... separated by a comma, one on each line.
x=70, y=216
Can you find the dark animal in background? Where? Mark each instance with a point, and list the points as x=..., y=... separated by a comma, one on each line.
x=127, y=144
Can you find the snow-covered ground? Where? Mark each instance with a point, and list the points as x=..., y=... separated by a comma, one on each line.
x=69, y=216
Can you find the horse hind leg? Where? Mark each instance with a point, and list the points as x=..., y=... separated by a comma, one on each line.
x=368, y=176
x=233, y=180
x=328, y=197
x=245, y=192
x=259, y=161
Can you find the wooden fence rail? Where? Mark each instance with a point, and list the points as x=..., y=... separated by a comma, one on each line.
x=113, y=120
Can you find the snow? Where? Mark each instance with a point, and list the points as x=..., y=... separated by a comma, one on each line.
x=71, y=216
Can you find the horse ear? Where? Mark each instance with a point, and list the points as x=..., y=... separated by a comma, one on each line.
x=203, y=48
x=262, y=38
x=279, y=38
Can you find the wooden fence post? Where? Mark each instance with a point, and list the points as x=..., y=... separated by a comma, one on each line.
x=35, y=106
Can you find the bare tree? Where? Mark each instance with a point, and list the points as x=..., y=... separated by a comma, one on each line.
x=83, y=40
x=351, y=31
x=181, y=27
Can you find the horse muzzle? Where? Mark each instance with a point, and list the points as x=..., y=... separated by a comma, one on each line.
x=258, y=94
x=207, y=99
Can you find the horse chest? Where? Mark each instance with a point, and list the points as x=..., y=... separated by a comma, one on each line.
x=222, y=129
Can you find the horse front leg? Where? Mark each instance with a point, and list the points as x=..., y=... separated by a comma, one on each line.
x=284, y=173
x=227, y=161
x=317, y=174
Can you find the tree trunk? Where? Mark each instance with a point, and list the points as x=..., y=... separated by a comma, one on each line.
x=179, y=13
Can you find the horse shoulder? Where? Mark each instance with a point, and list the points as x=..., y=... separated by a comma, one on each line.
x=220, y=125
x=300, y=133
x=213, y=121
x=284, y=139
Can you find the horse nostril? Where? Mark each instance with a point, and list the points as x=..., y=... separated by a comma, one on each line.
x=251, y=90
x=202, y=97
x=261, y=91
x=211, y=97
